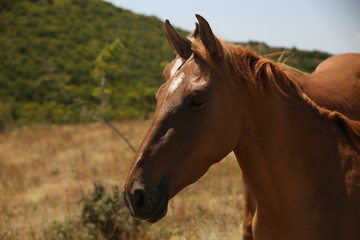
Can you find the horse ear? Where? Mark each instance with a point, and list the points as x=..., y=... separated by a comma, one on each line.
x=208, y=38
x=195, y=33
x=178, y=42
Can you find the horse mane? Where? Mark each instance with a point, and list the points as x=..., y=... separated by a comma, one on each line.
x=256, y=70
x=265, y=74
x=349, y=126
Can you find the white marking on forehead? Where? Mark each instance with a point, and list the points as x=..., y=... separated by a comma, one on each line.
x=176, y=82
x=176, y=65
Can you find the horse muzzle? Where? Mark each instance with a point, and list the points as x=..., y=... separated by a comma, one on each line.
x=142, y=206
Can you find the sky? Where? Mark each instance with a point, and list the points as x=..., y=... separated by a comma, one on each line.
x=326, y=25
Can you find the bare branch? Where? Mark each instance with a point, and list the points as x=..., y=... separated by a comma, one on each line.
x=121, y=134
x=104, y=119
x=112, y=126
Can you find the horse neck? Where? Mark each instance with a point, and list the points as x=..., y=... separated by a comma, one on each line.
x=283, y=146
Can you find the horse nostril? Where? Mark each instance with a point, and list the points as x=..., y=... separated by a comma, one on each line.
x=138, y=199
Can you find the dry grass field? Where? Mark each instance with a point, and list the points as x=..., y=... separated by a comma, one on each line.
x=45, y=171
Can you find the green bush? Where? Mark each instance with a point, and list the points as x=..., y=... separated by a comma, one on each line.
x=47, y=112
x=109, y=215
x=104, y=216
x=72, y=230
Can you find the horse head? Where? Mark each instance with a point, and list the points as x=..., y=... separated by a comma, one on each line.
x=194, y=125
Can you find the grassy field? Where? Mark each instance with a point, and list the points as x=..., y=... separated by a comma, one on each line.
x=45, y=171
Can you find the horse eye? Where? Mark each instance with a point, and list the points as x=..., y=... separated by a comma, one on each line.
x=197, y=102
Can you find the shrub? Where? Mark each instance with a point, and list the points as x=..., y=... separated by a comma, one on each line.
x=109, y=215
x=103, y=217
x=71, y=229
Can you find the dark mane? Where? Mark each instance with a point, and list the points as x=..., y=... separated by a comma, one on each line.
x=265, y=74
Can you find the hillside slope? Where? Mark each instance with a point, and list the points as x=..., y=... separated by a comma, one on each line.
x=48, y=51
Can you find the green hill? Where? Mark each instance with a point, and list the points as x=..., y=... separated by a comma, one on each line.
x=48, y=56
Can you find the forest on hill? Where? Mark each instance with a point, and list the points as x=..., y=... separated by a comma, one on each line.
x=54, y=54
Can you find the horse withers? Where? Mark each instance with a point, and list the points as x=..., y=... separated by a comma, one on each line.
x=300, y=161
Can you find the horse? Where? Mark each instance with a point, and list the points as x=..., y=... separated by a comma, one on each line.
x=322, y=86
x=300, y=161
x=333, y=85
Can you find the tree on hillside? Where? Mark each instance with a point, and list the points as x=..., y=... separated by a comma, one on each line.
x=106, y=63
x=123, y=94
x=109, y=60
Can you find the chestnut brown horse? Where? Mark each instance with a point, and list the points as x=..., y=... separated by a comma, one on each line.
x=334, y=85
x=300, y=161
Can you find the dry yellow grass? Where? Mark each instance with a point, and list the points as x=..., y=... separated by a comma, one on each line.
x=44, y=171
